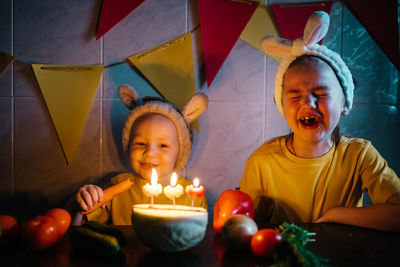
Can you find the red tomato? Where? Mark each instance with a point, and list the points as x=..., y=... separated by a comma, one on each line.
x=263, y=242
x=62, y=218
x=40, y=232
x=231, y=202
x=9, y=230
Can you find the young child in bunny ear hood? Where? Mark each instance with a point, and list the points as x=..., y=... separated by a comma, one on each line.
x=314, y=174
x=156, y=135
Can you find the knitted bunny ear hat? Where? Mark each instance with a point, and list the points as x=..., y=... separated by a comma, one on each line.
x=316, y=29
x=193, y=108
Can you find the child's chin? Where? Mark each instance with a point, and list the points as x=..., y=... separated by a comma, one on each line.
x=145, y=175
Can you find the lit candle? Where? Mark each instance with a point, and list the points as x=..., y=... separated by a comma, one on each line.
x=173, y=190
x=154, y=189
x=195, y=191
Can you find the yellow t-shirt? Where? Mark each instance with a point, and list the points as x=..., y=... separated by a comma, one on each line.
x=285, y=187
x=118, y=211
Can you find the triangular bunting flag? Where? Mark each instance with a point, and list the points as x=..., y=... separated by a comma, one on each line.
x=5, y=60
x=112, y=12
x=292, y=18
x=68, y=92
x=170, y=69
x=221, y=22
x=380, y=20
x=259, y=26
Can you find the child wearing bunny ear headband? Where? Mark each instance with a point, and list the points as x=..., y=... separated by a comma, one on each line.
x=314, y=174
x=155, y=135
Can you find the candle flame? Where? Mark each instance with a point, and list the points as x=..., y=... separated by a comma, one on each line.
x=196, y=182
x=174, y=179
x=154, y=177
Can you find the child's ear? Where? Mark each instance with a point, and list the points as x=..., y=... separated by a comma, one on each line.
x=196, y=105
x=128, y=96
x=345, y=111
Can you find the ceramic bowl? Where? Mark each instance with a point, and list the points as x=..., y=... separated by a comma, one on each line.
x=169, y=228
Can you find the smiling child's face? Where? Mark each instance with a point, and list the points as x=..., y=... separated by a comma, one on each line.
x=312, y=101
x=154, y=144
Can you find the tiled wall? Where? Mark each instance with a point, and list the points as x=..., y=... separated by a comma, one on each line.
x=376, y=114
x=241, y=113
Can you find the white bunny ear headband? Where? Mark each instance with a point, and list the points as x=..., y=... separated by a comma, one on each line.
x=316, y=29
x=195, y=106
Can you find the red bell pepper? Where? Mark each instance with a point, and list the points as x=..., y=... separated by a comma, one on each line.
x=231, y=202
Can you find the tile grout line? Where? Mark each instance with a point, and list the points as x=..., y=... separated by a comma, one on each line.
x=101, y=110
x=341, y=30
x=12, y=104
x=265, y=85
x=186, y=16
x=265, y=99
x=186, y=30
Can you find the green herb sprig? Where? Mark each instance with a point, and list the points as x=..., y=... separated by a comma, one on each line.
x=292, y=250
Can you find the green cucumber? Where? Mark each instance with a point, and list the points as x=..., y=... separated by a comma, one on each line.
x=107, y=230
x=91, y=243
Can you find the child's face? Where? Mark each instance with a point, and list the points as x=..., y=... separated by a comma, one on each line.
x=312, y=101
x=154, y=144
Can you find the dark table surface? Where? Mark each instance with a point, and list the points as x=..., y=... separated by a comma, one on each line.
x=340, y=244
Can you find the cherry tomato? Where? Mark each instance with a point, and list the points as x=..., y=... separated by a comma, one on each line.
x=231, y=202
x=40, y=232
x=263, y=242
x=9, y=230
x=62, y=218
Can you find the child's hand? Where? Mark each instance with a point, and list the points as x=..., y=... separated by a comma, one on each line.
x=330, y=216
x=88, y=196
x=323, y=219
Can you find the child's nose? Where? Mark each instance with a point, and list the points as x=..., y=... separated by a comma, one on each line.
x=151, y=149
x=310, y=100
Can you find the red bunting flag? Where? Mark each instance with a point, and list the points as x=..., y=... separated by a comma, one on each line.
x=221, y=23
x=292, y=18
x=380, y=20
x=112, y=12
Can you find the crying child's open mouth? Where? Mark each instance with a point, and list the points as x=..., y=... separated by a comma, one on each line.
x=309, y=121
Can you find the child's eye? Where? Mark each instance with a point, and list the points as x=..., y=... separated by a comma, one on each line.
x=321, y=92
x=321, y=95
x=164, y=145
x=139, y=144
x=294, y=98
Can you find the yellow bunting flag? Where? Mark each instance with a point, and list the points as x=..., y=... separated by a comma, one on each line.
x=169, y=68
x=5, y=60
x=259, y=25
x=68, y=92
